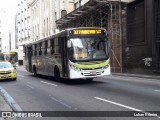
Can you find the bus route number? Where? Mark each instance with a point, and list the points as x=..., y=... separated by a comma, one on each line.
x=86, y=32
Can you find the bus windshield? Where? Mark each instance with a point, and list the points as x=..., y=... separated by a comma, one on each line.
x=88, y=49
x=11, y=57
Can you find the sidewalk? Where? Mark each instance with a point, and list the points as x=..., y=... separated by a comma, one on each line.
x=4, y=107
x=137, y=75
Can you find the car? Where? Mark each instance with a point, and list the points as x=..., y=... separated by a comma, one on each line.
x=7, y=71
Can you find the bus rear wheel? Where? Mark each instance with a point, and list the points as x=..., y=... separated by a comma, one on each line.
x=34, y=71
x=56, y=74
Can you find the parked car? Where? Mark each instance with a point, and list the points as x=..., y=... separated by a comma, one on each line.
x=7, y=71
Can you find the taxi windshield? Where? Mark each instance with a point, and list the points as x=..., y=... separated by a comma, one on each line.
x=88, y=49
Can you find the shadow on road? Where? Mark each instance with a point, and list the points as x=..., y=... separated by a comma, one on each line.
x=70, y=81
x=7, y=80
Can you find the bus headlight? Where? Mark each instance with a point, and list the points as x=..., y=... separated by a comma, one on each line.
x=105, y=67
x=74, y=67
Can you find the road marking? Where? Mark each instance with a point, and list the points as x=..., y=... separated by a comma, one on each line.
x=30, y=86
x=60, y=101
x=21, y=75
x=157, y=90
x=48, y=83
x=125, y=106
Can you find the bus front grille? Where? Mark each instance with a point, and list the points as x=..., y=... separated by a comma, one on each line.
x=91, y=73
x=5, y=72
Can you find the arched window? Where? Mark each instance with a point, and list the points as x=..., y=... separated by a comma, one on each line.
x=63, y=13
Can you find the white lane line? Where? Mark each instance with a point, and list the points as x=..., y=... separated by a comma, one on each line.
x=48, y=83
x=157, y=90
x=60, y=101
x=21, y=75
x=125, y=106
x=30, y=86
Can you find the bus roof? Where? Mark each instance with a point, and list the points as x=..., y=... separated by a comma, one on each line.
x=65, y=33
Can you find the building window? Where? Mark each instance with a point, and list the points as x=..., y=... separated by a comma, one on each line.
x=76, y=5
x=136, y=23
x=63, y=13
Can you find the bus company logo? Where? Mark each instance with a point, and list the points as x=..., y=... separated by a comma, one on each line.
x=6, y=114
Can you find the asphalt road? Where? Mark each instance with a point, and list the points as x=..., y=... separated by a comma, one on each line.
x=106, y=94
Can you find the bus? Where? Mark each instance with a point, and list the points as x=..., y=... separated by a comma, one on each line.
x=73, y=53
x=11, y=57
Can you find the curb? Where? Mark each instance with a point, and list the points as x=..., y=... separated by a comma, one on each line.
x=137, y=75
x=9, y=100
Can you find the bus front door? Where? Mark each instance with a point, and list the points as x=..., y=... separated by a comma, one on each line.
x=64, y=56
x=30, y=59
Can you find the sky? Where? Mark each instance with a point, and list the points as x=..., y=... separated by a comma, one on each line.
x=8, y=9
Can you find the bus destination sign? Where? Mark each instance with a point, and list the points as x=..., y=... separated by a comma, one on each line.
x=88, y=32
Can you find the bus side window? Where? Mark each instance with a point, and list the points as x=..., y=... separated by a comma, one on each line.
x=35, y=49
x=52, y=46
x=59, y=48
x=57, y=45
x=31, y=51
x=43, y=48
x=24, y=51
x=40, y=48
x=48, y=47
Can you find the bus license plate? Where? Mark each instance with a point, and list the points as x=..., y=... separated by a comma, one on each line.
x=93, y=73
x=5, y=76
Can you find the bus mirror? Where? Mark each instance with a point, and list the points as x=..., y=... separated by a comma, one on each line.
x=69, y=44
x=15, y=67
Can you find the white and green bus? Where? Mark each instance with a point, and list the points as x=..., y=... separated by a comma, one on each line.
x=73, y=53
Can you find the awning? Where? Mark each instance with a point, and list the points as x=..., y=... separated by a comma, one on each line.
x=84, y=9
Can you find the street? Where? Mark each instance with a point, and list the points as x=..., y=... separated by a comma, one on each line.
x=103, y=94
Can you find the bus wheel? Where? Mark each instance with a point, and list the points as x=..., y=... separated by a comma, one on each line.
x=34, y=71
x=57, y=75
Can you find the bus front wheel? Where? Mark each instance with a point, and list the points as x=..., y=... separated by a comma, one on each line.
x=35, y=71
x=57, y=74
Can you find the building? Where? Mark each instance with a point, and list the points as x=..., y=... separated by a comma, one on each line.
x=42, y=18
x=132, y=25
x=63, y=7
x=23, y=20
x=44, y=13
x=141, y=46
x=22, y=28
x=133, y=31
x=4, y=30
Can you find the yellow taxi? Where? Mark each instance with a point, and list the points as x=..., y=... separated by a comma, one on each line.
x=7, y=71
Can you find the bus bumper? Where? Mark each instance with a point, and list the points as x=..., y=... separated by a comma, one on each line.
x=88, y=73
